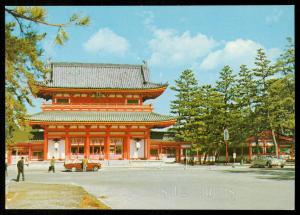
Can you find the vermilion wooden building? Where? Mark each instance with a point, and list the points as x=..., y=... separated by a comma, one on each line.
x=98, y=111
x=266, y=146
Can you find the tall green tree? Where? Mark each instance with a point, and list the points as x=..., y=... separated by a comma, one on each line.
x=282, y=92
x=226, y=87
x=23, y=60
x=184, y=106
x=245, y=90
x=212, y=116
x=264, y=74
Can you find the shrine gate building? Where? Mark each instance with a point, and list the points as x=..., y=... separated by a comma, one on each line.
x=98, y=111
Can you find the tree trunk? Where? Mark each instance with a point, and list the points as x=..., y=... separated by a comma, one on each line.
x=205, y=156
x=242, y=149
x=275, y=143
x=200, y=159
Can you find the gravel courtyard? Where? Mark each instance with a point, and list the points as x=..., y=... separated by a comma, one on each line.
x=173, y=187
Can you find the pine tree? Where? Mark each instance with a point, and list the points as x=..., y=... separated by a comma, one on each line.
x=184, y=106
x=226, y=87
x=23, y=64
x=264, y=74
x=282, y=92
x=244, y=112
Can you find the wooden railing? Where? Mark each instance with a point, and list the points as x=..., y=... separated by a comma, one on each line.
x=97, y=107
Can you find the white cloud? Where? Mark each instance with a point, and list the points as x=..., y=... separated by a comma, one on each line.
x=274, y=16
x=235, y=53
x=169, y=47
x=106, y=41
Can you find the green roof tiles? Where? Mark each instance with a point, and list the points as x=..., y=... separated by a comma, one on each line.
x=98, y=76
x=97, y=116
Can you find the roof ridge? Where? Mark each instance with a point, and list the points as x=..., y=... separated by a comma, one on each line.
x=95, y=64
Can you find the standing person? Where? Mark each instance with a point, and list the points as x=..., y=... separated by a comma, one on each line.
x=20, y=166
x=84, y=163
x=52, y=165
x=26, y=161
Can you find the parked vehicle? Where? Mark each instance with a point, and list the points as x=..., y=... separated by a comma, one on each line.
x=267, y=160
x=76, y=165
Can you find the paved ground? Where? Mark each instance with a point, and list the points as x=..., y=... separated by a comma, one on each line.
x=173, y=187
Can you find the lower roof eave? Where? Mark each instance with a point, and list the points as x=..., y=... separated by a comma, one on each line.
x=156, y=124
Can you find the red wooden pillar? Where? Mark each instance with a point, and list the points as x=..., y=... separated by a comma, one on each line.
x=250, y=151
x=124, y=148
x=67, y=143
x=107, y=144
x=46, y=142
x=160, y=149
x=177, y=153
x=146, y=145
x=180, y=153
x=128, y=146
x=87, y=143
x=29, y=151
x=278, y=148
x=127, y=142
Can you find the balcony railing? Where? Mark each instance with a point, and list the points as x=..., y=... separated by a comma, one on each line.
x=97, y=107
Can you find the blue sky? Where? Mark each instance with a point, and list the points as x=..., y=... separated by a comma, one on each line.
x=171, y=39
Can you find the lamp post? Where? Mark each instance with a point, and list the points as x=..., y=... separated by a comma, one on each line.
x=226, y=137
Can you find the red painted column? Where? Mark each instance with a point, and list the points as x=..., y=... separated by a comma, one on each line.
x=87, y=143
x=127, y=142
x=250, y=151
x=178, y=154
x=128, y=146
x=107, y=144
x=145, y=146
x=278, y=148
x=160, y=149
x=46, y=142
x=148, y=144
x=124, y=148
x=29, y=152
x=67, y=143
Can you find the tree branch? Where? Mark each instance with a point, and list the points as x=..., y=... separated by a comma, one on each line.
x=16, y=16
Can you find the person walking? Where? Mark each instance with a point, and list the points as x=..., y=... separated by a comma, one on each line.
x=84, y=164
x=52, y=165
x=20, y=166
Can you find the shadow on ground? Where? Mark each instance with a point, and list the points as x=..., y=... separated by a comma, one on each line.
x=274, y=173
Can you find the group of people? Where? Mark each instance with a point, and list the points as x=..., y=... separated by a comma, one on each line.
x=21, y=162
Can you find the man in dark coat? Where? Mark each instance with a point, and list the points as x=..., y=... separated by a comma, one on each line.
x=20, y=166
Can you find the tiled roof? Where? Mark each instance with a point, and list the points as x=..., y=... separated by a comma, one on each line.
x=98, y=76
x=97, y=116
